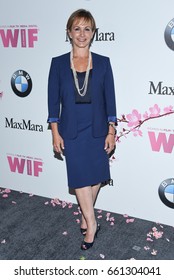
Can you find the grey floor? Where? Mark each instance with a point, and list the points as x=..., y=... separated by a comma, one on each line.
x=38, y=228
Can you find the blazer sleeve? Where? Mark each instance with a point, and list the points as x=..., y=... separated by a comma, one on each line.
x=110, y=94
x=53, y=93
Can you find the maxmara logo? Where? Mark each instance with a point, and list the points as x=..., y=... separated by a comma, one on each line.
x=160, y=89
x=23, y=125
x=100, y=36
x=15, y=36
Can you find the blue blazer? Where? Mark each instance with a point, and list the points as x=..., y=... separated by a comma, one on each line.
x=61, y=99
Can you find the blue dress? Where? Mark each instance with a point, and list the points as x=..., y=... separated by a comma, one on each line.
x=87, y=161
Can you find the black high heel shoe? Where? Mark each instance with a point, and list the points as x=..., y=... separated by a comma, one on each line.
x=86, y=245
x=83, y=231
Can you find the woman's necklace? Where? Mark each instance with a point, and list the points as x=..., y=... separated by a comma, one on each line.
x=81, y=91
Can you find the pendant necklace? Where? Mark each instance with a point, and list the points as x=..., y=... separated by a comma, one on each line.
x=81, y=91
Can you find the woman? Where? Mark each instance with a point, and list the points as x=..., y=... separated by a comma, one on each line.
x=82, y=114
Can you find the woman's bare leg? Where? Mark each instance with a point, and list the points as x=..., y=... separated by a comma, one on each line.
x=86, y=197
x=95, y=190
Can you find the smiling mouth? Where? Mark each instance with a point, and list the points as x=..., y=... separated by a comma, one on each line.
x=81, y=40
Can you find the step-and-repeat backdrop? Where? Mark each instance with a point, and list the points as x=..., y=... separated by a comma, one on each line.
x=138, y=36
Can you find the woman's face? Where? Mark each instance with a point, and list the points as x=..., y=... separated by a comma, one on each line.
x=81, y=33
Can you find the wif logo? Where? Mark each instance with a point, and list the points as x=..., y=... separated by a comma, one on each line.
x=25, y=165
x=161, y=140
x=18, y=36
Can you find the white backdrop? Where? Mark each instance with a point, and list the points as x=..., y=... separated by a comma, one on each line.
x=131, y=33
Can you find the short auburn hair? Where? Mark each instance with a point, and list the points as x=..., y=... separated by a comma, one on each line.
x=79, y=14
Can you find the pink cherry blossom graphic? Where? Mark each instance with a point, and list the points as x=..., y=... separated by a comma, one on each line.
x=134, y=118
x=145, y=115
x=154, y=111
x=168, y=109
x=137, y=132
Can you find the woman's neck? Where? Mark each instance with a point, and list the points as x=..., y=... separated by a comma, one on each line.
x=80, y=52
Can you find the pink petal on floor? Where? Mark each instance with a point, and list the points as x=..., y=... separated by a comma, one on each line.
x=5, y=195
x=168, y=240
x=107, y=216
x=56, y=201
x=70, y=205
x=65, y=233
x=76, y=213
x=102, y=256
x=99, y=217
x=112, y=219
x=112, y=224
x=64, y=204
x=7, y=191
x=125, y=216
x=77, y=221
x=154, y=252
x=158, y=234
x=99, y=211
x=3, y=241
x=149, y=239
x=31, y=194
x=130, y=220
x=146, y=248
x=46, y=203
x=13, y=202
x=154, y=229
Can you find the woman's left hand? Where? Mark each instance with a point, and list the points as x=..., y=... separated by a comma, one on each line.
x=109, y=143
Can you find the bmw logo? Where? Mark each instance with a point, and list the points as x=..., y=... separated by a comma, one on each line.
x=21, y=83
x=169, y=34
x=166, y=192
